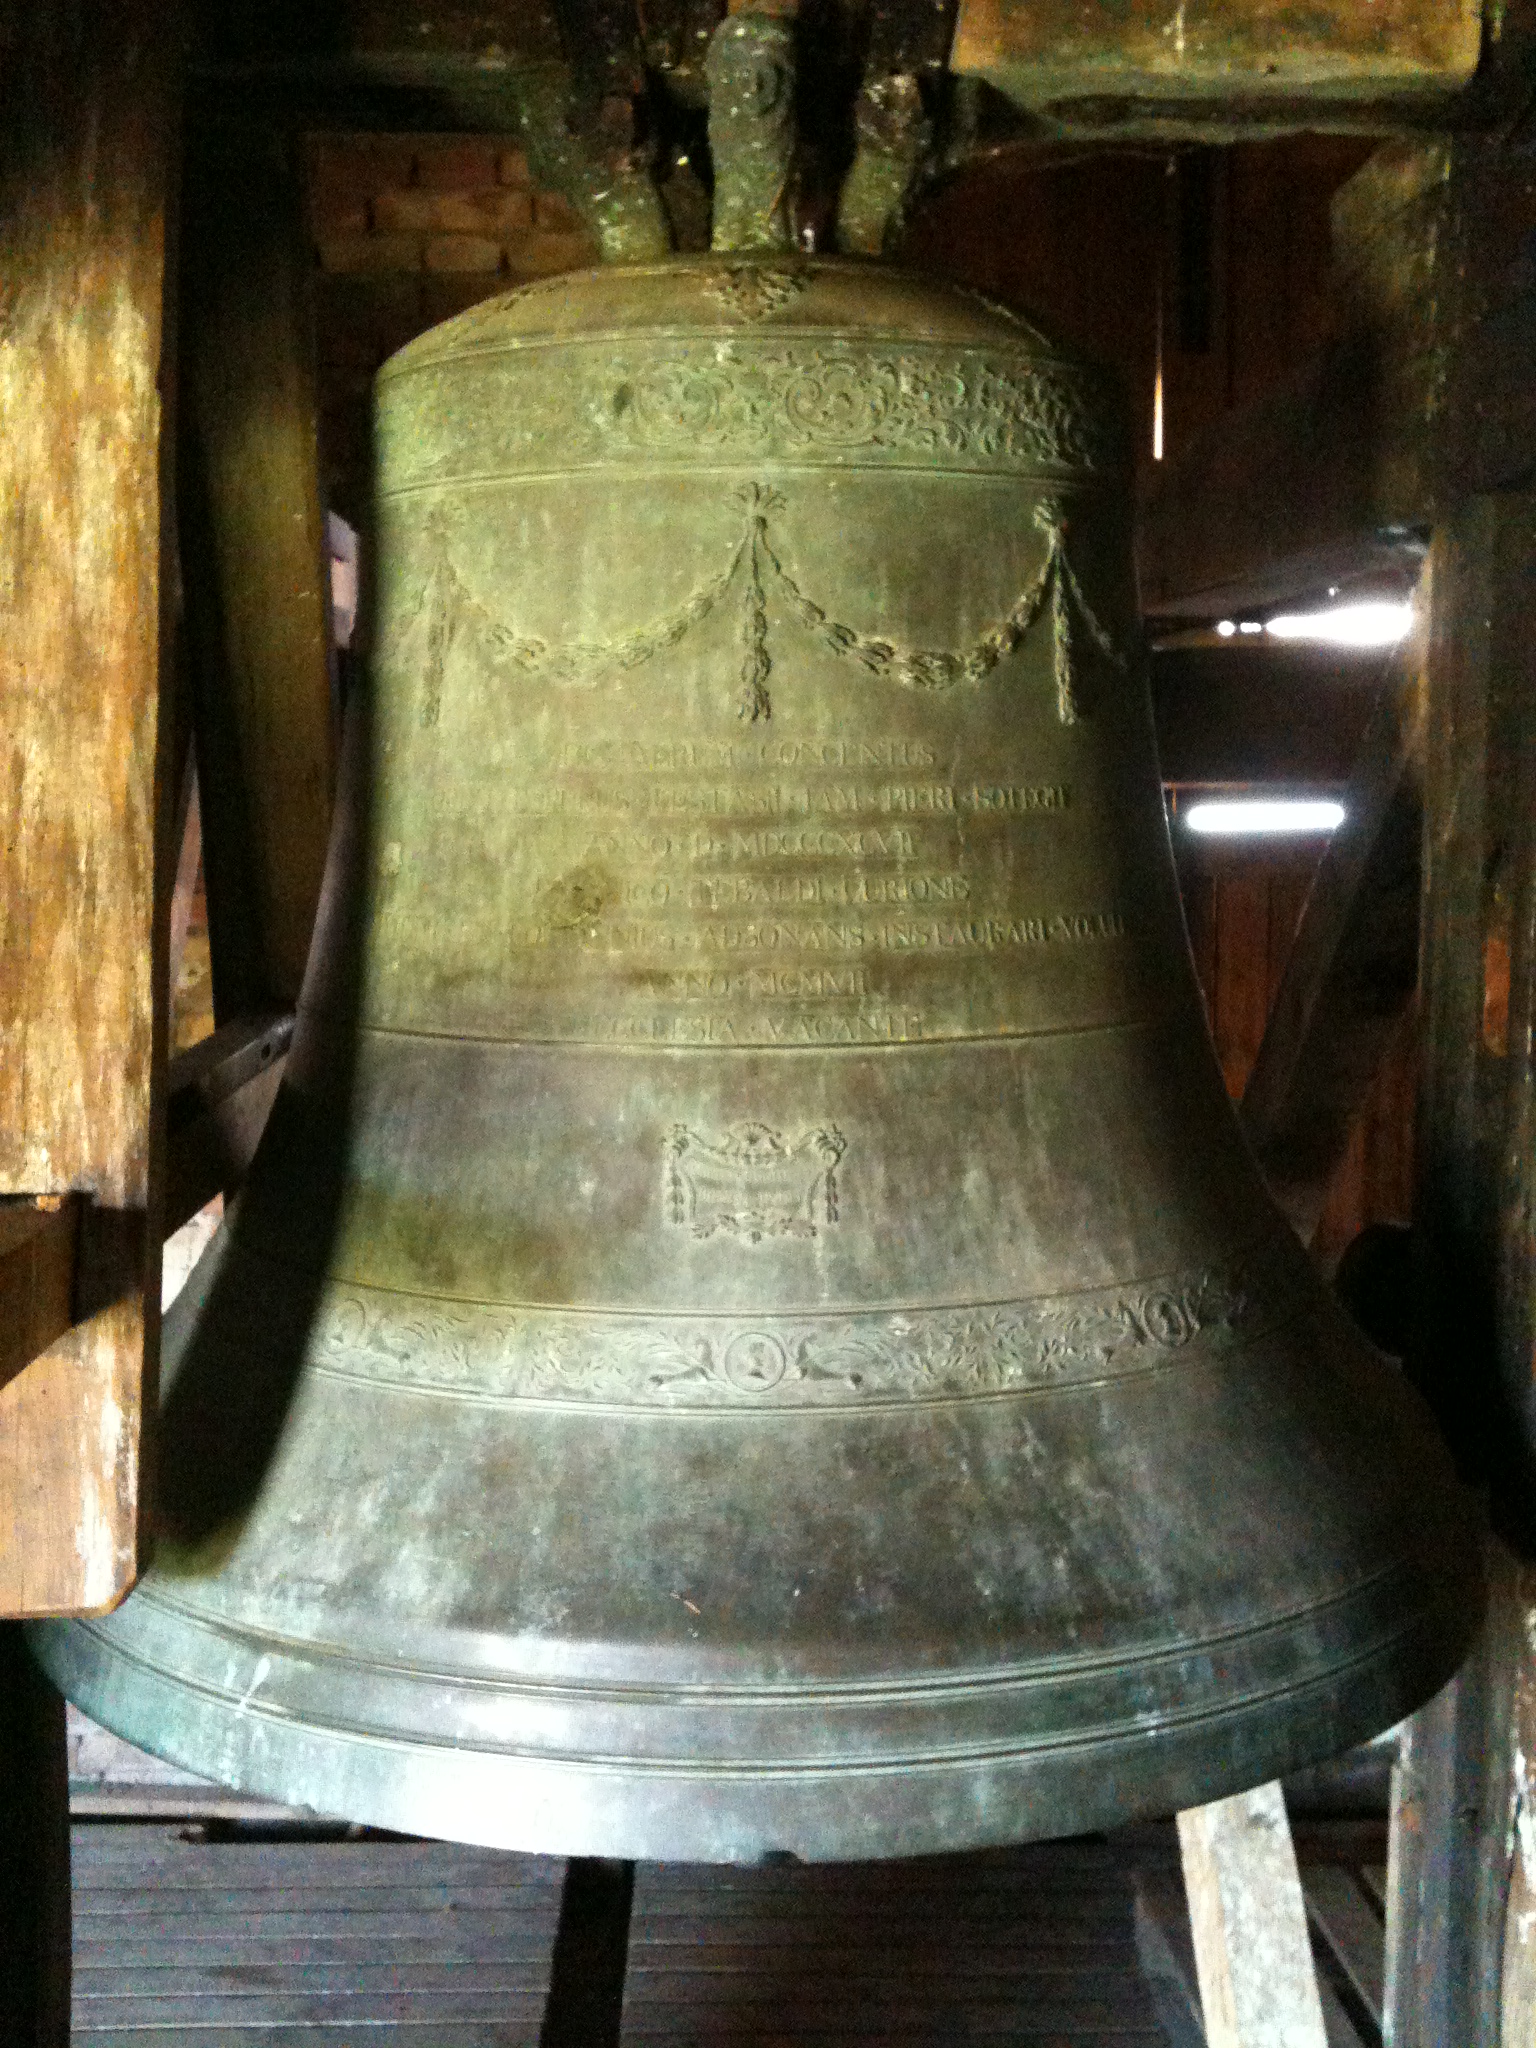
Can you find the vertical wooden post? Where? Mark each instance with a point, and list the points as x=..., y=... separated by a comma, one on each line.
x=1459, y=1950
x=1448, y=1863
x=86, y=138
x=1253, y=1955
x=254, y=560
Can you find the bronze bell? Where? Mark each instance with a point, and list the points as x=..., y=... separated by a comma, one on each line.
x=753, y=1327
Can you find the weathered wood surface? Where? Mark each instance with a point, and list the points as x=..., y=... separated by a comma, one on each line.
x=1258, y=1987
x=1459, y=1954
x=34, y=1854
x=1347, y=1924
x=1346, y=1944
x=37, y=1278
x=1477, y=1174
x=85, y=139
x=1221, y=66
x=1449, y=1858
x=220, y=1094
x=1517, y=1987
x=255, y=564
x=1352, y=970
x=330, y=1942
x=54, y=1261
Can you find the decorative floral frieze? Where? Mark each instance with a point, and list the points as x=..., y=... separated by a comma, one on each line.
x=777, y=1361
x=543, y=406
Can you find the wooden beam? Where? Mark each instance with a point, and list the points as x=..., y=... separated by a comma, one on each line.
x=255, y=566
x=86, y=138
x=1353, y=965
x=1455, y=1958
x=221, y=1093
x=37, y=1278
x=1258, y=1987
x=1220, y=68
x=1452, y=1853
x=57, y=1261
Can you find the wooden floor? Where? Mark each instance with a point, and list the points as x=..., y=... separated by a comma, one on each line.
x=376, y=1941
x=205, y=1917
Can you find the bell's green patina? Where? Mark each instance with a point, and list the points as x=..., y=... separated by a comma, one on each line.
x=763, y=1335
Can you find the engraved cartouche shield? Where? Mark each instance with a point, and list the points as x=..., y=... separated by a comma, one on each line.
x=763, y=1335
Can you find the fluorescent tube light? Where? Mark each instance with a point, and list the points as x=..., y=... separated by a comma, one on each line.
x=1379, y=623
x=1252, y=817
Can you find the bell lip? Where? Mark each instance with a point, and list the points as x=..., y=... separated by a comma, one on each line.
x=806, y=1810
x=880, y=309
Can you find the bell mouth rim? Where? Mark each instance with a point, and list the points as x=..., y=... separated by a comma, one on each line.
x=751, y=1808
x=705, y=1681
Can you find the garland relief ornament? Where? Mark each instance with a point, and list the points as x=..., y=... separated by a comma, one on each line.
x=450, y=609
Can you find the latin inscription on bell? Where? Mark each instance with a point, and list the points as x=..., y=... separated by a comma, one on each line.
x=816, y=782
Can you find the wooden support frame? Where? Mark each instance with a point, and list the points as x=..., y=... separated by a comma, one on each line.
x=1222, y=66
x=87, y=149
x=221, y=1092
x=98, y=756
x=37, y=1278
x=1258, y=1987
x=254, y=561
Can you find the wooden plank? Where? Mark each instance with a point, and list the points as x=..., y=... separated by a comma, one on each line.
x=221, y=1092
x=85, y=126
x=255, y=564
x=1258, y=1988
x=1168, y=1957
x=434, y=2034
x=1352, y=970
x=37, y=1278
x=34, y=1854
x=263, y=1941
x=1342, y=1919
x=1024, y=1945
x=235, y=1939
x=1456, y=1960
